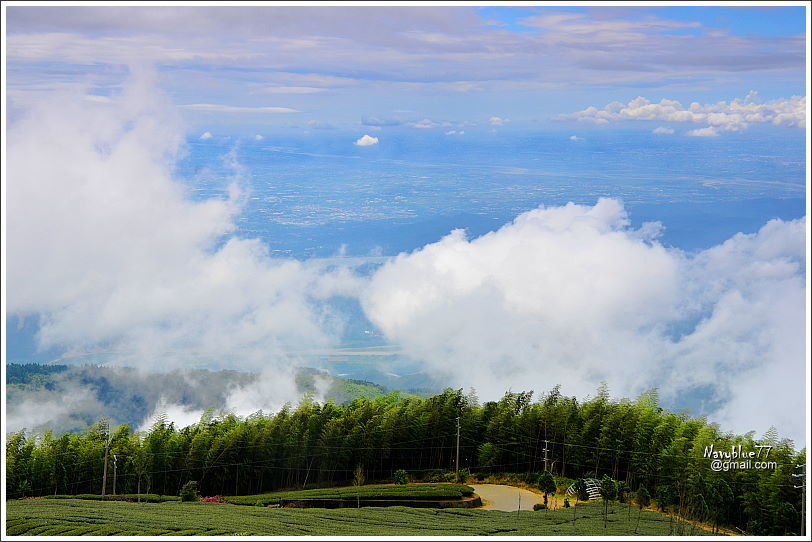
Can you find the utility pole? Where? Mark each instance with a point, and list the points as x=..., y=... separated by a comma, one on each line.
x=115, y=470
x=802, y=487
x=457, y=461
x=106, y=450
x=545, y=455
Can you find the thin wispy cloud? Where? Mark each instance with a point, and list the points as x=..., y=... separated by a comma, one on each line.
x=399, y=50
x=291, y=90
x=238, y=109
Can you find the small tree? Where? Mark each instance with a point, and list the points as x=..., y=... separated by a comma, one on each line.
x=189, y=493
x=462, y=476
x=546, y=484
x=581, y=494
x=358, y=481
x=643, y=499
x=580, y=490
x=622, y=490
x=665, y=498
x=609, y=493
x=401, y=477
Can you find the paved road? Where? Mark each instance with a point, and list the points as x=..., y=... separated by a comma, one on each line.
x=506, y=498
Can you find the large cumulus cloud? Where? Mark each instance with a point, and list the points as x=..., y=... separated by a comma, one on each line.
x=573, y=295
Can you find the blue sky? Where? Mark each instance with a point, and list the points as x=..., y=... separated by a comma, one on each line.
x=424, y=67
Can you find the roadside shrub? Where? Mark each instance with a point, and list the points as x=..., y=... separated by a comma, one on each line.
x=401, y=477
x=462, y=476
x=439, y=477
x=539, y=506
x=215, y=499
x=189, y=493
x=566, y=503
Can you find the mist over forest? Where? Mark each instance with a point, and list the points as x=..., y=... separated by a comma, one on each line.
x=65, y=398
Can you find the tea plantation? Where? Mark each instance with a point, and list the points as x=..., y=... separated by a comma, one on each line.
x=73, y=517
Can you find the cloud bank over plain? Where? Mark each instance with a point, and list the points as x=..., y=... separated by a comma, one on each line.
x=572, y=295
x=115, y=256
x=722, y=116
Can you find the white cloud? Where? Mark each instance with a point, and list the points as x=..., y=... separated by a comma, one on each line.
x=258, y=137
x=428, y=123
x=237, y=109
x=455, y=132
x=498, y=121
x=206, y=135
x=366, y=140
x=576, y=138
x=708, y=131
x=735, y=115
x=662, y=130
x=571, y=295
x=98, y=99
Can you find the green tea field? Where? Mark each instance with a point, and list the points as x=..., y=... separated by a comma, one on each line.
x=73, y=517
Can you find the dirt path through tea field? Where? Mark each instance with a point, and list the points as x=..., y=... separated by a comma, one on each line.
x=506, y=498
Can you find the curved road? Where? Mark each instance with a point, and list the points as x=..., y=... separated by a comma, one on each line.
x=506, y=498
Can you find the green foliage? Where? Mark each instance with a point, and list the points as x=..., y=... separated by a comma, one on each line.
x=608, y=488
x=34, y=374
x=462, y=476
x=566, y=503
x=488, y=456
x=580, y=490
x=539, y=506
x=189, y=492
x=643, y=497
x=546, y=483
x=665, y=497
x=401, y=477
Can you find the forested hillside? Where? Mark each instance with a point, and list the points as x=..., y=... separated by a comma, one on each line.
x=636, y=442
